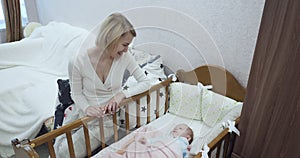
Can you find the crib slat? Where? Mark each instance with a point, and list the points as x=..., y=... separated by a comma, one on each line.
x=157, y=103
x=51, y=149
x=115, y=127
x=102, y=138
x=51, y=135
x=219, y=148
x=138, y=113
x=87, y=140
x=209, y=154
x=70, y=144
x=167, y=99
x=127, y=118
x=148, y=108
x=226, y=144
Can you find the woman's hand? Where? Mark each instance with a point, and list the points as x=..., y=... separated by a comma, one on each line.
x=94, y=111
x=113, y=104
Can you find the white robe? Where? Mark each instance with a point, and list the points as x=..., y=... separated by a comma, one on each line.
x=88, y=89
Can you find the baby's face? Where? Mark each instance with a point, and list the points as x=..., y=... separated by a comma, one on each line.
x=179, y=130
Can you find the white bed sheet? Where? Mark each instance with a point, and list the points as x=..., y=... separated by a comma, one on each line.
x=28, y=73
x=203, y=134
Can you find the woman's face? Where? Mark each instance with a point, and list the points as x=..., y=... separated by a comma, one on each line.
x=122, y=45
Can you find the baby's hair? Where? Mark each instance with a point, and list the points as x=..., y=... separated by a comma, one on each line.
x=191, y=133
x=188, y=131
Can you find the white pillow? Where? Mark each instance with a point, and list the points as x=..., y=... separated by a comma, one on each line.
x=30, y=28
x=152, y=65
x=215, y=107
x=140, y=56
x=185, y=100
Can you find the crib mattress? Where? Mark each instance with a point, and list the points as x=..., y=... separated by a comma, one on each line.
x=203, y=134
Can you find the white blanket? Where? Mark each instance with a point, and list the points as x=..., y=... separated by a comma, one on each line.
x=28, y=73
x=203, y=134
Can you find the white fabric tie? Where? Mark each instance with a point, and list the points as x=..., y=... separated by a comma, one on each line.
x=200, y=86
x=174, y=78
x=208, y=87
x=231, y=127
x=205, y=151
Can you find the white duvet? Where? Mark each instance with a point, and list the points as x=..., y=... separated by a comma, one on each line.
x=28, y=73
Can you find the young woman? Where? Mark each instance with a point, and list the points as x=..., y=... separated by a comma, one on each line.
x=96, y=81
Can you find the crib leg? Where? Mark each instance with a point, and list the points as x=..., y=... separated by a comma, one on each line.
x=230, y=145
x=226, y=145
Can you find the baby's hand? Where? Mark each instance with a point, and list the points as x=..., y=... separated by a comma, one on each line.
x=189, y=148
x=143, y=140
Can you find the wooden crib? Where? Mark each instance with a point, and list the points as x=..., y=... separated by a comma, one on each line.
x=223, y=83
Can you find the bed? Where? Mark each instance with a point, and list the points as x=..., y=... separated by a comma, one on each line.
x=220, y=137
x=29, y=70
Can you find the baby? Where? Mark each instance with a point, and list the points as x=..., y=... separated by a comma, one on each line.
x=182, y=135
x=180, y=130
x=175, y=144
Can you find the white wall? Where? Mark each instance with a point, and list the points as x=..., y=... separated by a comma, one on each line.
x=187, y=33
x=31, y=11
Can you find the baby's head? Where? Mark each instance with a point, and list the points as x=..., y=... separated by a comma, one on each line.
x=183, y=130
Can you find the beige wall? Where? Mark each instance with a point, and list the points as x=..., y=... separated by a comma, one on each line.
x=232, y=27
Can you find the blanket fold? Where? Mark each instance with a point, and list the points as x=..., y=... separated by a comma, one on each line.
x=164, y=148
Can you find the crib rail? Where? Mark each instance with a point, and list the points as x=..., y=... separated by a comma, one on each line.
x=25, y=148
x=48, y=138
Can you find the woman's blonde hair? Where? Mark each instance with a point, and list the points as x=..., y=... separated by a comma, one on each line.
x=112, y=28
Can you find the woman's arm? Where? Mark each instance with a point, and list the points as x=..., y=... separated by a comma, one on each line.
x=143, y=83
x=77, y=92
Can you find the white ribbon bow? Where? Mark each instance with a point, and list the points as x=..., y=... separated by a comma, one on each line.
x=174, y=78
x=200, y=86
x=231, y=127
x=205, y=151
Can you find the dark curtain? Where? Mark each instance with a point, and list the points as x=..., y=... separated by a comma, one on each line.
x=13, y=21
x=270, y=120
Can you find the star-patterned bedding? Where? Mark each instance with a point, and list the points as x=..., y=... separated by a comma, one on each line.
x=153, y=67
